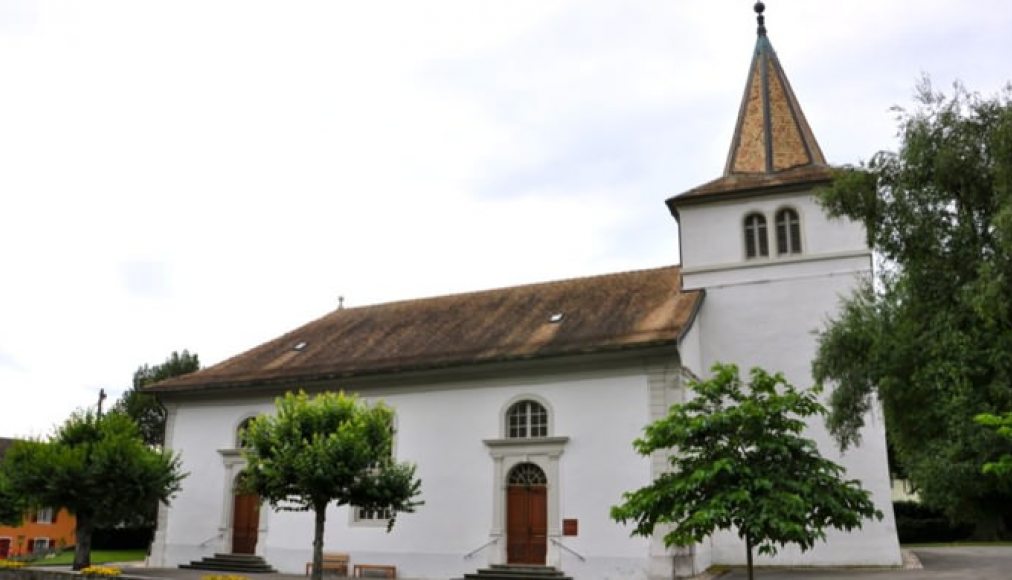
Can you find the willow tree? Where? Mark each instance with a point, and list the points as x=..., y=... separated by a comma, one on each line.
x=738, y=461
x=330, y=448
x=931, y=338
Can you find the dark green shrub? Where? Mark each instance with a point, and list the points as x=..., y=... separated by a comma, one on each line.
x=917, y=524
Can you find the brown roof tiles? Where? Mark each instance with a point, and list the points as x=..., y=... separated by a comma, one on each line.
x=773, y=147
x=599, y=313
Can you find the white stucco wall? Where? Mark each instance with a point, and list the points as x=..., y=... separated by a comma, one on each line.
x=690, y=350
x=441, y=428
x=764, y=313
x=711, y=234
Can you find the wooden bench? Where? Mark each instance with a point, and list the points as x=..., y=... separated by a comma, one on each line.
x=337, y=563
x=375, y=571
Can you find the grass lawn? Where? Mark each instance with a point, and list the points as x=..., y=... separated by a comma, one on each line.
x=97, y=557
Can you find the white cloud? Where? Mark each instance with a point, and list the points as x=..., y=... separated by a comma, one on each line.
x=208, y=175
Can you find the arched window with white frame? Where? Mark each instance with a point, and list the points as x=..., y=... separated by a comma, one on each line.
x=788, y=232
x=526, y=419
x=241, y=439
x=756, y=242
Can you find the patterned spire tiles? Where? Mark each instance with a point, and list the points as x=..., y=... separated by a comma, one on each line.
x=772, y=133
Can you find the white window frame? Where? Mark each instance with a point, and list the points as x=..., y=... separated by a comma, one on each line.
x=504, y=417
x=362, y=518
x=238, y=429
x=758, y=233
x=44, y=515
x=792, y=220
x=35, y=545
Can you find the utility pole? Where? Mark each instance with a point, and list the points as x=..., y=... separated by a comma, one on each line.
x=101, y=397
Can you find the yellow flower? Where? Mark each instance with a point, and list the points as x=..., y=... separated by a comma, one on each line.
x=103, y=571
x=11, y=564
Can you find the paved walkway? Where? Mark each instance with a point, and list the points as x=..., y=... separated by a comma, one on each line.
x=950, y=563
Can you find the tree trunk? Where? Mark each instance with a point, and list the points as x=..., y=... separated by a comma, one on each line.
x=748, y=555
x=82, y=551
x=321, y=517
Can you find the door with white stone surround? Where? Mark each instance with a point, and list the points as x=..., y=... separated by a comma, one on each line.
x=526, y=515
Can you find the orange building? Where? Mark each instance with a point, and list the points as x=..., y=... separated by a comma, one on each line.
x=42, y=530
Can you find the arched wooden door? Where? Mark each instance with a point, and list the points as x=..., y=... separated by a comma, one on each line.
x=245, y=521
x=526, y=515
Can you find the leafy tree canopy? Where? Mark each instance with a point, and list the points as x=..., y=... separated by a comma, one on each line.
x=931, y=338
x=1002, y=424
x=143, y=407
x=328, y=448
x=738, y=461
x=12, y=506
x=98, y=468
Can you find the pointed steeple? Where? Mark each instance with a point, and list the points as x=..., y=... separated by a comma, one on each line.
x=772, y=133
x=773, y=147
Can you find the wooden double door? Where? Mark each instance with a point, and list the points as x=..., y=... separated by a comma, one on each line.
x=526, y=524
x=245, y=523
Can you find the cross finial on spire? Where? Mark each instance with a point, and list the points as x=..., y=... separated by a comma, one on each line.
x=759, y=9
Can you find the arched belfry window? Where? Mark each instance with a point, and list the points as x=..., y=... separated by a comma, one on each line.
x=526, y=474
x=756, y=242
x=526, y=419
x=788, y=232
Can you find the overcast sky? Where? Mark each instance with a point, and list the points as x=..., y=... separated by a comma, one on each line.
x=208, y=175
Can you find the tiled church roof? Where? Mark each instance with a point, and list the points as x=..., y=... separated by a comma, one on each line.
x=599, y=313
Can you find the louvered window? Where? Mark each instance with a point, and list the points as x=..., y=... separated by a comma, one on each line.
x=756, y=243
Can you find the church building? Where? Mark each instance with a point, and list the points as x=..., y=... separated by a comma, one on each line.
x=519, y=405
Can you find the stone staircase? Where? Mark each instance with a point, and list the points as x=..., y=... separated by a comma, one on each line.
x=241, y=563
x=517, y=572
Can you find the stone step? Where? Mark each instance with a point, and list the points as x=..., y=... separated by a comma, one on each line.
x=230, y=556
x=248, y=563
x=226, y=567
x=495, y=575
x=525, y=568
x=517, y=572
x=550, y=573
x=238, y=558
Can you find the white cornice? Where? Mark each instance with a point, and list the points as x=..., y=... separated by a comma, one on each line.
x=769, y=262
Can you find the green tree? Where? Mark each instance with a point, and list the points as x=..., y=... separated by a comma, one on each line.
x=12, y=506
x=98, y=468
x=930, y=338
x=1002, y=424
x=738, y=461
x=145, y=408
x=329, y=448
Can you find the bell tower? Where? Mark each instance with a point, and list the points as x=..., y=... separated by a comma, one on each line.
x=774, y=268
